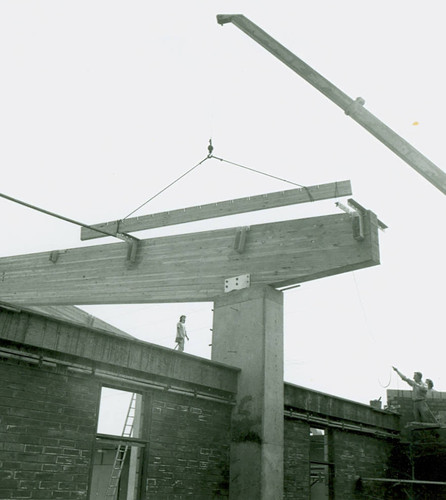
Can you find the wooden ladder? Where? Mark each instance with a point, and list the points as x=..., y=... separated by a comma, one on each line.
x=121, y=452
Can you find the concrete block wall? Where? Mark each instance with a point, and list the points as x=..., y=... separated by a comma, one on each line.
x=189, y=448
x=47, y=427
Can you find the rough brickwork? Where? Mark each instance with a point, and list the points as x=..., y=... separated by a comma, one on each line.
x=296, y=459
x=47, y=426
x=357, y=455
x=189, y=448
x=352, y=455
x=48, y=417
x=354, y=441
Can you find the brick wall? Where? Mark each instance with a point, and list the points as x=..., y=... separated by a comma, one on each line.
x=296, y=459
x=47, y=426
x=330, y=442
x=355, y=455
x=188, y=448
x=352, y=455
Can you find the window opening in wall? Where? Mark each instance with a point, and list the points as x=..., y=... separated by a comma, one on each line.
x=320, y=468
x=119, y=446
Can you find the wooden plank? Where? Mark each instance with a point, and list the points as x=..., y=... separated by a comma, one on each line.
x=190, y=267
x=221, y=209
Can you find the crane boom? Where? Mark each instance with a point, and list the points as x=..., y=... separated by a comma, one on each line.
x=353, y=108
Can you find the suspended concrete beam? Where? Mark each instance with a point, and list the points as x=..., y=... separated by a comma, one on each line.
x=192, y=267
x=219, y=209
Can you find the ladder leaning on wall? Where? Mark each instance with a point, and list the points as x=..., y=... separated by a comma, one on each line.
x=121, y=451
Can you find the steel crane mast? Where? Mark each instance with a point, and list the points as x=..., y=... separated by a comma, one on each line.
x=353, y=108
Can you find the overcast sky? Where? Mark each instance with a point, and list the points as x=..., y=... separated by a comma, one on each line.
x=104, y=103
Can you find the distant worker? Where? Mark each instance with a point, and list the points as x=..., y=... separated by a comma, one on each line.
x=181, y=333
x=430, y=386
x=419, y=392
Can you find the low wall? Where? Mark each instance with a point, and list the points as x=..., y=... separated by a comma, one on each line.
x=52, y=374
x=51, y=377
x=355, y=440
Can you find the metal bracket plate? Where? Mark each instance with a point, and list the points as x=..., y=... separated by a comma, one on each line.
x=238, y=282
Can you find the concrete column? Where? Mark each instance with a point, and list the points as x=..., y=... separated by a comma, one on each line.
x=248, y=334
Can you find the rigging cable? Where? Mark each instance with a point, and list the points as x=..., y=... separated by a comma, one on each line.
x=57, y=216
x=208, y=157
x=262, y=173
x=167, y=187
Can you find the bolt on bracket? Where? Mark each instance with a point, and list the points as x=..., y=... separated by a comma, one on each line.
x=238, y=282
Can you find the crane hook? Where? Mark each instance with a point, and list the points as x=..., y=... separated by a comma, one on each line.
x=210, y=148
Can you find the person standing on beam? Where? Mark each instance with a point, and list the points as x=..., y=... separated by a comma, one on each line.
x=181, y=333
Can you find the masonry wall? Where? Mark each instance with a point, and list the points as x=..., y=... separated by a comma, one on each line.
x=48, y=420
x=355, y=456
x=47, y=426
x=352, y=455
x=48, y=417
x=296, y=459
x=360, y=441
x=188, y=448
x=49, y=410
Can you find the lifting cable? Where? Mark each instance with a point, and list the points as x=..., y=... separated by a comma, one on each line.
x=107, y=233
x=57, y=216
x=263, y=173
x=167, y=187
x=211, y=156
x=256, y=171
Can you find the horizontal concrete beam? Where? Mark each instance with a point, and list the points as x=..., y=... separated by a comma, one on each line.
x=158, y=363
x=192, y=267
x=327, y=405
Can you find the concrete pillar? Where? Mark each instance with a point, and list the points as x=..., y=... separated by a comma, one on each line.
x=248, y=334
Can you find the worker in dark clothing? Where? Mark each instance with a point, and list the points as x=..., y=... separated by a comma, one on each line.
x=419, y=392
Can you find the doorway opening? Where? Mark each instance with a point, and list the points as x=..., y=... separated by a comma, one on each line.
x=119, y=447
x=321, y=470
